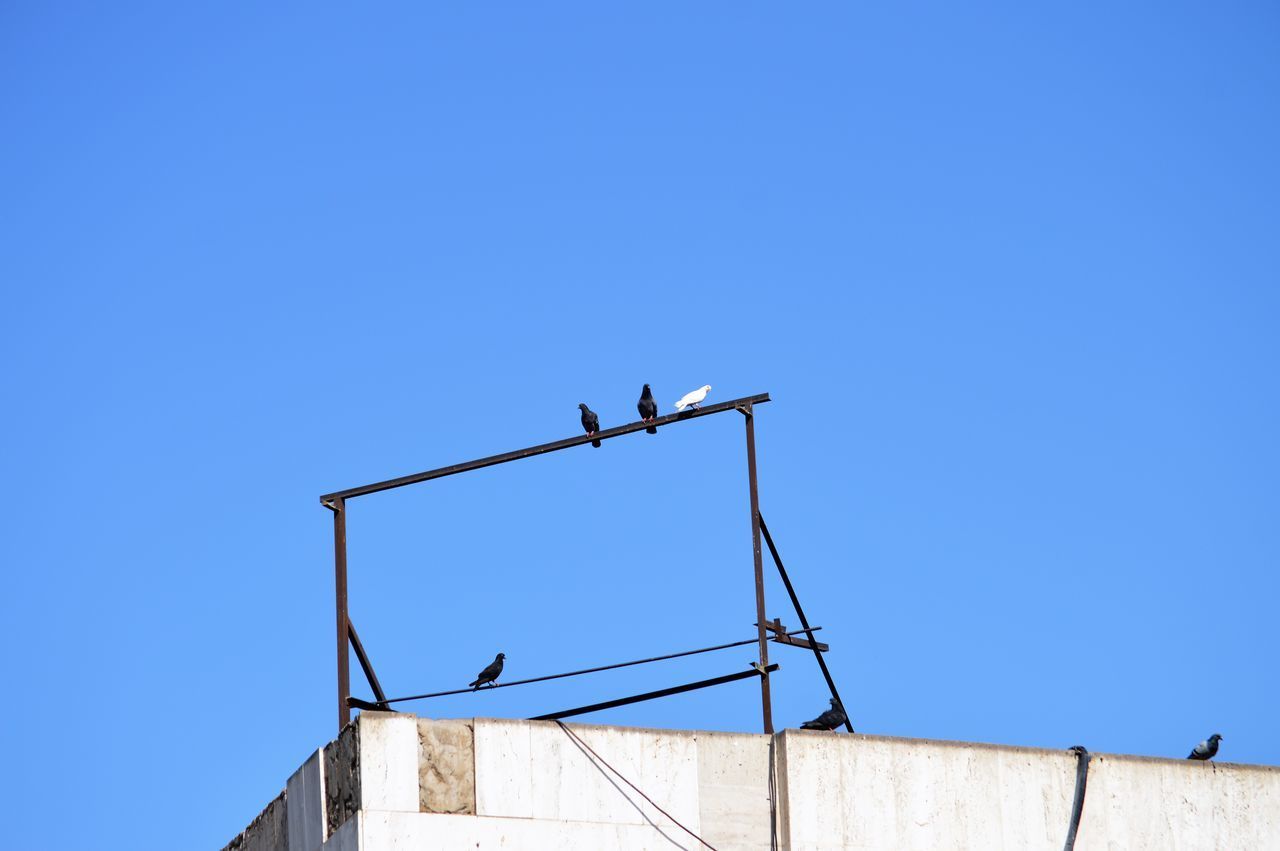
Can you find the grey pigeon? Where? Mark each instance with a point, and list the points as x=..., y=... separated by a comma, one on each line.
x=489, y=674
x=1206, y=749
x=590, y=422
x=648, y=408
x=828, y=720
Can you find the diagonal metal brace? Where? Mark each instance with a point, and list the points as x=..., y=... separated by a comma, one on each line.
x=804, y=622
x=365, y=664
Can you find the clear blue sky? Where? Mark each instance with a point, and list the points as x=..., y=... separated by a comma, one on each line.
x=1009, y=273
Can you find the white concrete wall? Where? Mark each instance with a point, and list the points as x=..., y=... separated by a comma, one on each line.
x=521, y=784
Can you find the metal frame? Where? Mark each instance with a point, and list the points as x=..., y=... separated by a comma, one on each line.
x=348, y=638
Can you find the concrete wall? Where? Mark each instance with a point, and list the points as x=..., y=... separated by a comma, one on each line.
x=400, y=782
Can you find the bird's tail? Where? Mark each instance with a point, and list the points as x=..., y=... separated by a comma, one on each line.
x=812, y=725
x=651, y=430
x=596, y=444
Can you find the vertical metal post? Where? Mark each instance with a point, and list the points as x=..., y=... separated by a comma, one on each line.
x=339, y=508
x=766, y=701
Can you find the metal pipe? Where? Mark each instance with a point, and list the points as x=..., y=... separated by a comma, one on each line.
x=804, y=622
x=339, y=508
x=666, y=692
x=1077, y=803
x=766, y=701
x=542, y=449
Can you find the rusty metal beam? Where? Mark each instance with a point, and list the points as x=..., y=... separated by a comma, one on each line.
x=339, y=509
x=367, y=665
x=651, y=695
x=766, y=700
x=542, y=449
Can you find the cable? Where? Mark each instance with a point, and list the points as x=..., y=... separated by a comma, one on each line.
x=773, y=794
x=1077, y=806
x=585, y=670
x=602, y=761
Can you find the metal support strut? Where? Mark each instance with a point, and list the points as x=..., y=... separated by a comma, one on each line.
x=339, y=508
x=766, y=702
x=337, y=503
x=804, y=622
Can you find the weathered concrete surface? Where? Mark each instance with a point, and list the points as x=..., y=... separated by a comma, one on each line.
x=733, y=789
x=535, y=770
x=446, y=767
x=1139, y=803
x=342, y=777
x=862, y=792
x=437, y=832
x=350, y=837
x=388, y=757
x=521, y=784
x=306, y=809
x=268, y=832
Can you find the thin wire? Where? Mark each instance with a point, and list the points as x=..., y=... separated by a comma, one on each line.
x=603, y=762
x=584, y=670
x=773, y=793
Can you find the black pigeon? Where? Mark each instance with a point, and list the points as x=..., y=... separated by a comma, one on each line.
x=590, y=422
x=490, y=673
x=828, y=720
x=1206, y=749
x=648, y=408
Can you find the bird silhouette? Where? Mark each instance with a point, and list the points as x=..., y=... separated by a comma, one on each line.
x=648, y=408
x=489, y=674
x=590, y=422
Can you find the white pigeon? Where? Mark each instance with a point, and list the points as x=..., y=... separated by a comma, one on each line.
x=693, y=397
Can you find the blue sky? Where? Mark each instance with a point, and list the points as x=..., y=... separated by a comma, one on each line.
x=1008, y=272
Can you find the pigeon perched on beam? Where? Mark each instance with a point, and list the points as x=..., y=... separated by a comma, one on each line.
x=829, y=720
x=489, y=674
x=693, y=398
x=648, y=409
x=1206, y=749
x=590, y=422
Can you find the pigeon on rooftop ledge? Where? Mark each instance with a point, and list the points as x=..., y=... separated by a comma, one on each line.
x=829, y=720
x=1207, y=749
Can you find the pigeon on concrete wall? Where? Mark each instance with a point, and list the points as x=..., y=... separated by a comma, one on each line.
x=490, y=673
x=648, y=408
x=1206, y=749
x=693, y=397
x=590, y=422
x=828, y=720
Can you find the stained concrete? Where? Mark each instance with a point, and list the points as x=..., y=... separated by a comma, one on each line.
x=446, y=767
x=398, y=782
x=268, y=832
x=342, y=777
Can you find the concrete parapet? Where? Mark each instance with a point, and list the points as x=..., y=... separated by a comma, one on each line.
x=397, y=781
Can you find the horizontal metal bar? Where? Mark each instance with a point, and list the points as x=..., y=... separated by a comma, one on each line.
x=802, y=642
x=383, y=701
x=653, y=695
x=544, y=448
x=366, y=706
